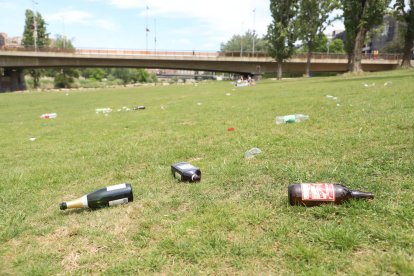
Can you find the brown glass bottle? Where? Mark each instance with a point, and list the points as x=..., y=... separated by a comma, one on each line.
x=313, y=194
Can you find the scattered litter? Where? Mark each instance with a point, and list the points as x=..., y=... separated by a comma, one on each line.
x=231, y=129
x=369, y=85
x=295, y=118
x=185, y=172
x=388, y=83
x=199, y=103
x=162, y=107
x=337, y=104
x=124, y=108
x=331, y=97
x=228, y=94
x=48, y=116
x=252, y=152
x=32, y=139
x=241, y=84
x=105, y=110
x=67, y=94
x=139, y=107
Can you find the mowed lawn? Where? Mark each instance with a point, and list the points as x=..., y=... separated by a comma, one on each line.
x=237, y=219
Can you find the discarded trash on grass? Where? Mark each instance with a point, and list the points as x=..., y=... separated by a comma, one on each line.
x=369, y=85
x=48, y=116
x=124, y=108
x=105, y=110
x=199, y=103
x=331, y=97
x=294, y=118
x=109, y=196
x=252, y=152
x=138, y=107
x=388, y=83
x=32, y=139
x=186, y=172
x=228, y=94
x=231, y=129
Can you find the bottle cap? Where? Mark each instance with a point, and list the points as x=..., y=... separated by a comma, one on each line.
x=195, y=177
x=63, y=206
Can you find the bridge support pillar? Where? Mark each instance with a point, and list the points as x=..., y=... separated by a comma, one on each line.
x=12, y=80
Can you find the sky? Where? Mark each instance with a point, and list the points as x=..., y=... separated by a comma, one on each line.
x=181, y=25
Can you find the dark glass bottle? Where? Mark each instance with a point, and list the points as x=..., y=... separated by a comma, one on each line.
x=312, y=194
x=109, y=196
x=186, y=172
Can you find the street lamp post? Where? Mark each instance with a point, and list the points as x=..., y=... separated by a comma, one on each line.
x=34, y=25
x=254, y=32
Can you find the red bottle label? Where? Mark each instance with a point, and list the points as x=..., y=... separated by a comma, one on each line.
x=318, y=191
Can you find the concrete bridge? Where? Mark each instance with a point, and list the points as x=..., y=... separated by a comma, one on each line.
x=13, y=62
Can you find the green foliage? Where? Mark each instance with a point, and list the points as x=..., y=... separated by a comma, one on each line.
x=35, y=36
x=236, y=220
x=65, y=77
x=283, y=31
x=132, y=75
x=313, y=20
x=62, y=42
x=359, y=18
x=35, y=28
x=245, y=42
x=94, y=73
x=336, y=46
x=405, y=14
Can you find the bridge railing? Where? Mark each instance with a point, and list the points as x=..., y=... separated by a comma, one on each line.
x=37, y=49
x=193, y=53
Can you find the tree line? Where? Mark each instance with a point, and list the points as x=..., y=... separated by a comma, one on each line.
x=292, y=21
x=35, y=35
x=306, y=21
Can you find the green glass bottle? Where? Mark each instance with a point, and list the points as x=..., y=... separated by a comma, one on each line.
x=109, y=196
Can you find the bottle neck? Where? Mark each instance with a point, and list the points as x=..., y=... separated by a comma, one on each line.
x=358, y=194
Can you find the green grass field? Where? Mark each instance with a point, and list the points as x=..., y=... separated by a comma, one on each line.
x=237, y=219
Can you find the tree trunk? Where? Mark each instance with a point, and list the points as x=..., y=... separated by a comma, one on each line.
x=357, y=53
x=349, y=61
x=308, y=63
x=408, y=46
x=279, y=69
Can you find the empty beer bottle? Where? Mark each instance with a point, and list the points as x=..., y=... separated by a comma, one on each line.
x=312, y=194
x=186, y=172
x=109, y=196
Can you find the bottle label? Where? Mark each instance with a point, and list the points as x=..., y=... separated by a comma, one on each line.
x=177, y=175
x=289, y=118
x=116, y=187
x=319, y=191
x=118, y=201
x=186, y=167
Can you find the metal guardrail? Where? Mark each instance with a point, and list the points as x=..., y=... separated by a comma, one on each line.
x=186, y=53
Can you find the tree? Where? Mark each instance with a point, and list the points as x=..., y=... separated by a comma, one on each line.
x=65, y=78
x=62, y=42
x=282, y=32
x=313, y=18
x=94, y=73
x=406, y=14
x=35, y=35
x=336, y=46
x=359, y=17
x=244, y=43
